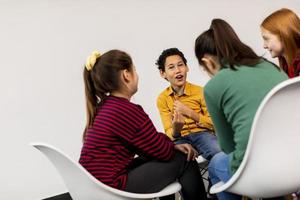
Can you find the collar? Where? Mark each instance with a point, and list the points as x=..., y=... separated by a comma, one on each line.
x=187, y=89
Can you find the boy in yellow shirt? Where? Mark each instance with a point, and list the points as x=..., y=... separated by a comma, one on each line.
x=184, y=102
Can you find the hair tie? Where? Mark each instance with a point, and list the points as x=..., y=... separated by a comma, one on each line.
x=91, y=60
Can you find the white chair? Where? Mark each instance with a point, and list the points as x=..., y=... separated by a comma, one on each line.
x=203, y=164
x=271, y=164
x=203, y=167
x=83, y=186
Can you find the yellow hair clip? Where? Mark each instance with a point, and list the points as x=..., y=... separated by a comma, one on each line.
x=91, y=60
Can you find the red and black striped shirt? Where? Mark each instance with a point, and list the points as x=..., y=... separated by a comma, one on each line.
x=120, y=130
x=294, y=70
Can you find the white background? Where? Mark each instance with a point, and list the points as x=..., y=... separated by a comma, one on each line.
x=44, y=44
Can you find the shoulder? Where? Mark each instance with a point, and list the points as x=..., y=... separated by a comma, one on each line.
x=164, y=94
x=194, y=89
x=194, y=86
x=222, y=76
x=227, y=75
x=121, y=106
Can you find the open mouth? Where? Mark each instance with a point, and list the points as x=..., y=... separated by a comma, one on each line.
x=179, y=77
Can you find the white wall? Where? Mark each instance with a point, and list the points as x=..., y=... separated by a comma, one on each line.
x=44, y=44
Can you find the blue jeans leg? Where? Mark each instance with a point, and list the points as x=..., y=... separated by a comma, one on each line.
x=218, y=170
x=183, y=140
x=205, y=143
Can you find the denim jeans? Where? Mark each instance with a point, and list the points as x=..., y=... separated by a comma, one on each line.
x=218, y=170
x=204, y=142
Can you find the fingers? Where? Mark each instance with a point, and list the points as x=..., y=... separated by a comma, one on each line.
x=195, y=154
x=177, y=117
x=177, y=105
x=191, y=153
x=181, y=108
x=188, y=151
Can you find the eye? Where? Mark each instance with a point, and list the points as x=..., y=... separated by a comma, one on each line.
x=171, y=67
x=265, y=38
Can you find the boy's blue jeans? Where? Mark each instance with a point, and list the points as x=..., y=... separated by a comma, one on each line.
x=204, y=142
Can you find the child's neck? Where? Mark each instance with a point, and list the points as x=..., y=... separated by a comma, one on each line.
x=178, y=90
x=121, y=95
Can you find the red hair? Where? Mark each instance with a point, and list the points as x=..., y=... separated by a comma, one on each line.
x=286, y=25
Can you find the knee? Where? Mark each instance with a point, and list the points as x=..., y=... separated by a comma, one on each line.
x=215, y=149
x=216, y=160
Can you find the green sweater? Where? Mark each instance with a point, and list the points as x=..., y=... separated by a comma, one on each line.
x=232, y=98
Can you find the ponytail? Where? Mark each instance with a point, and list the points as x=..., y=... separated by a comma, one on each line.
x=222, y=41
x=93, y=98
x=92, y=102
x=101, y=77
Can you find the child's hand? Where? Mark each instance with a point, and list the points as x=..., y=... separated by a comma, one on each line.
x=182, y=109
x=177, y=123
x=187, y=149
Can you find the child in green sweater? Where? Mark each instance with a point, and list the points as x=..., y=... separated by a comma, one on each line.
x=240, y=81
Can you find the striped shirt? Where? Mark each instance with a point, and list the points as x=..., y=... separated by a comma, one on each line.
x=120, y=130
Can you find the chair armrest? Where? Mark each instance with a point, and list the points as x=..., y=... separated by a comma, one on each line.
x=216, y=188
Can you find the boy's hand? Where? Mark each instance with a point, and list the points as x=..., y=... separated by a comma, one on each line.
x=182, y=109
x=177, y=123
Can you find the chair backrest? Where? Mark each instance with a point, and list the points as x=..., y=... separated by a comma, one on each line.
x=271, y=165
x=82, y=185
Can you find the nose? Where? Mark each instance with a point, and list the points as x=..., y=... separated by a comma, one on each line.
x=177, y=69
x=265, y=45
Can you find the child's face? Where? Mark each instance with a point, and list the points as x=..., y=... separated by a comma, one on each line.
x=134, y=81
x=175, y=71
x=272, y=43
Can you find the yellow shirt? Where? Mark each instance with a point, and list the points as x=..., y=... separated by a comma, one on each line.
x=193, y=98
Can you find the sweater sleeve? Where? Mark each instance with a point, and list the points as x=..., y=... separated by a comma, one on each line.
x=143, y=137
x=151, y=143
x=224, y=131
x=204, y=117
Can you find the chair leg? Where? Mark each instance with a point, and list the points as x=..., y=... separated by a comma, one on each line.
x=246, y=198
x=203, y=167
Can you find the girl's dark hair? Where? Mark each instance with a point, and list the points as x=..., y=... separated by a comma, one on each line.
x=102, y=79
x=221, y=40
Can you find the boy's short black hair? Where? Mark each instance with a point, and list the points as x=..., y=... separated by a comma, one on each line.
x=166, y=53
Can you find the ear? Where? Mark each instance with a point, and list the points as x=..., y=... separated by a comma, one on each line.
x=208, y=66
x=125, y=75
x=162, y=74
x=208, y=63
x=187, y=68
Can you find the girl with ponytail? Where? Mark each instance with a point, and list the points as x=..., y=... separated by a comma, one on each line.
x=117, y=130
x=240, y=79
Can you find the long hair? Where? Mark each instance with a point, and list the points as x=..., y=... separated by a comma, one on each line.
x=286, y=25
x=103, y=79
x=221, y=40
